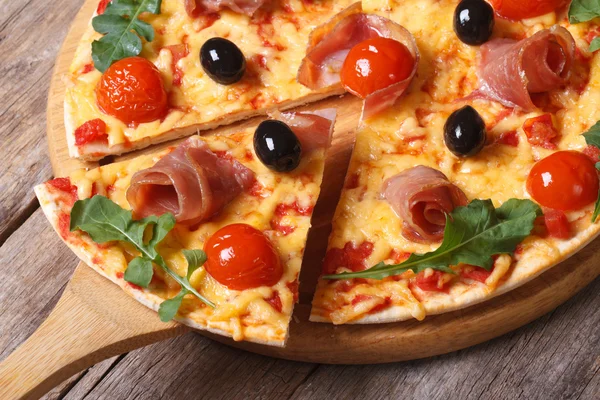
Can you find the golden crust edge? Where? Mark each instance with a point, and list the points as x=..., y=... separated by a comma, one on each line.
x=185, y=131
x=479, y=294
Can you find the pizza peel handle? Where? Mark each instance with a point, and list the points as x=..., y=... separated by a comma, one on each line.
x=90, y=323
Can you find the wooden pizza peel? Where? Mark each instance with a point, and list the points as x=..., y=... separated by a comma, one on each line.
x=95, y=320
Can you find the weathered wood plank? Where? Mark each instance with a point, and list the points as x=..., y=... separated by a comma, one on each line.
x=84, y=382
x=192, y=366
x=557, y=356
x=34, y=268
x=26, y=68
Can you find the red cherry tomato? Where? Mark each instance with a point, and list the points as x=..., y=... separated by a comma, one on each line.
x=242, y=257
x=374, y=64
x=565, y=180
x=132, y=91
x=521, y=9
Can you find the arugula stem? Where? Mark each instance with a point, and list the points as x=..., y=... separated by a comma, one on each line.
x=516, y=224
x=160, y=262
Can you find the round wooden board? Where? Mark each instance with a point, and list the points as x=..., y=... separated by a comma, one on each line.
x=355, y=344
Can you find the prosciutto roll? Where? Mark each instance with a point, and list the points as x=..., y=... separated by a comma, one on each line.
x=330, y=43
x=511, y=70
x=422, y=196
x=313, y=129
x=191, y=182
x=195, y=8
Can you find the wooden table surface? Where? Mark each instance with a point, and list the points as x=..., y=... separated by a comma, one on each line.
x=558, y=356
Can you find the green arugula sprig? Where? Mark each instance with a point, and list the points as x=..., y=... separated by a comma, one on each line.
x=473, y=234
x=122, y=31
x=592, y=138
x=583, y=11
x=105, y=221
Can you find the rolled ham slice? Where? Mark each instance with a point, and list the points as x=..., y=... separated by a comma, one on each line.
x=330, y=43
x=195, y=8
x=191, y=182
x=511, y=70
x=313, y=129
x=422, y=196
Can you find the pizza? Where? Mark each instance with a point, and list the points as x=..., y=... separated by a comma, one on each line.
x=470, y=128
x=167, y=92
x=228, y=196
x=473, y=171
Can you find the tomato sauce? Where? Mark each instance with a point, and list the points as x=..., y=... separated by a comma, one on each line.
x=540, y=131
x=351, y=256
x=476, y=273
x=64, y=185
x=93, y=131
x=275, y=301
x=510, y=138
x=431, y=283
x=178, y=51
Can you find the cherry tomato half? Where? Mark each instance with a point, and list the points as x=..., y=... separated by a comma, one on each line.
x=521, y=9
x=565, y=180
x=132, y=91
x=242, y=257
x=374, y=64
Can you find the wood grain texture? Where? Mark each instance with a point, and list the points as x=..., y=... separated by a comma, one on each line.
x=202, y=369
x=86, y=326
x=34, y=270
x=556, y=357
x=25, y=73
x=565, y=365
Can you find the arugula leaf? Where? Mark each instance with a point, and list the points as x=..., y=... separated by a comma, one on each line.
x=583, y=10
x=473, y=234
x=122, y=31
x=592, y=138
x=595, y=45
x=168, y=308
x=195, y=259
x=106, y=221
x=139, y=271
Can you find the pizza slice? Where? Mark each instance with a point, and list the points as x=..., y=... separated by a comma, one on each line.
x=475, y=182
x=211, y=232
x=177, y=67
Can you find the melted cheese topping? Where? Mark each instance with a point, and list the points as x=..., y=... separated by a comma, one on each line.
x=241, y=314
x=411, y=133
x=273, y=41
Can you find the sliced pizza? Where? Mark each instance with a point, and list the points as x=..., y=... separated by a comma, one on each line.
x=475, y=182
x=179, y=66
x=211, y=232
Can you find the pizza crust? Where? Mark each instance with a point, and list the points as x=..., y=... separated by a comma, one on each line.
x=440, y=304
x=97, y=151
x=243, y=315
